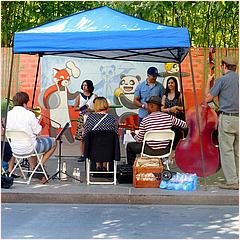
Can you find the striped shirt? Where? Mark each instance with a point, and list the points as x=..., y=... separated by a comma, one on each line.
x=158, y=121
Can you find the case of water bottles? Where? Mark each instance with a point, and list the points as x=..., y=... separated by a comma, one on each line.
x=181, y=181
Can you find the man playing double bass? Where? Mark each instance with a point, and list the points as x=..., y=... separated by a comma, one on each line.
x=226, y=88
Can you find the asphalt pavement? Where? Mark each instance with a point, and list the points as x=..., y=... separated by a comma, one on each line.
x=118, y=221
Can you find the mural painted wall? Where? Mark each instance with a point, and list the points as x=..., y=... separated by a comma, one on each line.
x=114, y=79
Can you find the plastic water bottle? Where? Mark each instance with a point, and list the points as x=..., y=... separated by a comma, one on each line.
x=195, y=182
x=178, y=186
x=64, y=170
x=78, y=174
x=74, y=174
x=187, y=186
x=163, y=184
x=5, y=165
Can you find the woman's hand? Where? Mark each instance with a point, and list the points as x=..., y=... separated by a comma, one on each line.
x=174, y=109
x=179, y=109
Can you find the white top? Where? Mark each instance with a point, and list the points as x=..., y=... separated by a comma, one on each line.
x=88, y=101
x=19, y=118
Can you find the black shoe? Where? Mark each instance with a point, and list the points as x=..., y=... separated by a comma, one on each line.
x=25, y=163
x=38, y=175
x=13, y=175
x=81, y=159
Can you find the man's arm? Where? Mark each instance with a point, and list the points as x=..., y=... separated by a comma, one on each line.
x=178, y=122
x=137, y=102
x=137, y=97
x=208, y=96
x=35, y=126
x=140, y=136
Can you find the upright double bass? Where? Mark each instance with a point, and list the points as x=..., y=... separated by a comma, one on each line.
x=197, y=153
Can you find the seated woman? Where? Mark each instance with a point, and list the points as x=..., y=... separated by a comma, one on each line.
x=100, y=120
x=172, y=104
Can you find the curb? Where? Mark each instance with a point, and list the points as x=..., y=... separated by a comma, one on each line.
x=119, y=199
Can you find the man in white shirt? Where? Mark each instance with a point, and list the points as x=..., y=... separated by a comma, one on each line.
x=20, y=118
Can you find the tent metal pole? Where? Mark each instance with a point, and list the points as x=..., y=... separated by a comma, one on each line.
x=198, y=122
x=8, y=101
x=180, y=69
x=36, y=78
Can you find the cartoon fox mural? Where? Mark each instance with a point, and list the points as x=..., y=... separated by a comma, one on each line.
x=56, y=98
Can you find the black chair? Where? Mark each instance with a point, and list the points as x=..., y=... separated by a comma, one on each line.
x=101, y=146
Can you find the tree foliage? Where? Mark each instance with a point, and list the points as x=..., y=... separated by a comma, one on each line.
x=210, y=23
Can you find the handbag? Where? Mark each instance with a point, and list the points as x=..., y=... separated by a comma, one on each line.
x=6, y=182
x=125, y=173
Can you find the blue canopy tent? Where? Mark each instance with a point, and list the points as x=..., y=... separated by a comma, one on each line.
x=104, y=33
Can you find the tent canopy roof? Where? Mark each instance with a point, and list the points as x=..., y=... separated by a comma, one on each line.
x=104, y=33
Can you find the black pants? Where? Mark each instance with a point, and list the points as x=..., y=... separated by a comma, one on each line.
x=7, y=152
x=134, y=148
x=178, y=136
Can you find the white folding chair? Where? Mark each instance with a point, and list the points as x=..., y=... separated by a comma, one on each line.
x=89, y=172
x=16, y=135
x=102, y=143
x=159, y=136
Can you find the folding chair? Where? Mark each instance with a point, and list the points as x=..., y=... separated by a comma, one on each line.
x=101, y=146
x=16, y=135
x=159, y=136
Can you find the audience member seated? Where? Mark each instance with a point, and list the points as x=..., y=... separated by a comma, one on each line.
x=101, y=120
x=20, y=118
x=156, y=120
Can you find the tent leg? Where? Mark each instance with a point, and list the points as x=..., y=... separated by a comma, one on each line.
x=36, y=79
x=8, y=100
x=180, y=69
x=198, y=121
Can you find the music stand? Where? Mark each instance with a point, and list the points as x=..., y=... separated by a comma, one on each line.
x=58, y=138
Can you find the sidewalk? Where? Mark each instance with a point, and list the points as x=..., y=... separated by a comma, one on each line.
x=57, y=191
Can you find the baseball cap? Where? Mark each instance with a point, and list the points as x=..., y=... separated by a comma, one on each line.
x=155, y=99
x=230, y=60
x=152, y=71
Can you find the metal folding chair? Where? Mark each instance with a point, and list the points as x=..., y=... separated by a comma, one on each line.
x=159, y=136
x=16, y=135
